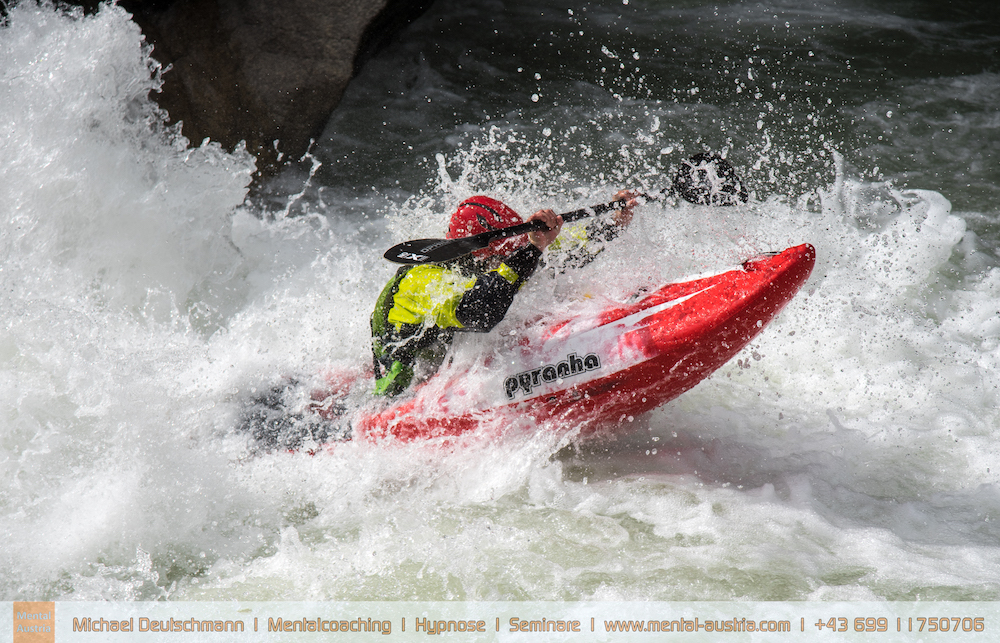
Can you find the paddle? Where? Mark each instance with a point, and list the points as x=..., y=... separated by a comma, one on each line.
x=704, y=179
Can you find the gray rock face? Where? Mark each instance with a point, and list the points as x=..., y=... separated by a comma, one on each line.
x=262, y=71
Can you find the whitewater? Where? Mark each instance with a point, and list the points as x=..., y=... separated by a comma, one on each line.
x=145, y=292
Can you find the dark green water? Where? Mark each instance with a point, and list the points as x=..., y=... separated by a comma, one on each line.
x=905, y=91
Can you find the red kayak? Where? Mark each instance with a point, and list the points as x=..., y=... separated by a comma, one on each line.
x=593, y=371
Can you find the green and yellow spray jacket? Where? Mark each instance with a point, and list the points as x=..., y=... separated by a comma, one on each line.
x=423, y=306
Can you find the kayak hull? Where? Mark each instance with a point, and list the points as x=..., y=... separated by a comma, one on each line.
x=599, y=371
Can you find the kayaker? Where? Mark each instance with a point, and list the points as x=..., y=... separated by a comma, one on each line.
x=423, y=306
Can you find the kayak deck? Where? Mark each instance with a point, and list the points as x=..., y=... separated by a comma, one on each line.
x=598, y=371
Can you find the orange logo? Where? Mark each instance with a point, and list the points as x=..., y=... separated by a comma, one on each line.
x=34, y=622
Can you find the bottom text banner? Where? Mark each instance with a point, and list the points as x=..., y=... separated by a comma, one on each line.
x=218, y=622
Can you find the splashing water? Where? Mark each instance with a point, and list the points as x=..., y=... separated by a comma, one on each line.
x=846, y=454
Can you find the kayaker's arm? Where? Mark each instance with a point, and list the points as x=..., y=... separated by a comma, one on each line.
x=485, y=304
x=581, y=244
x=605, y=230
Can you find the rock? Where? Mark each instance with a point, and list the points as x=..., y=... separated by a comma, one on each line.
x=262, y=71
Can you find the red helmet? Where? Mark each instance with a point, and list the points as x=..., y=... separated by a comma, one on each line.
x=482, y=214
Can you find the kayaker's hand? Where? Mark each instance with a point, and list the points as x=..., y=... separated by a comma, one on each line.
x=624, y=216
x=542, y=238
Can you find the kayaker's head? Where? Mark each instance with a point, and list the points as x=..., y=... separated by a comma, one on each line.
x=483, y=214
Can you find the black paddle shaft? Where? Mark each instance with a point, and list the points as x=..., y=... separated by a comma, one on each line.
x=421, y=251
x=704, y=179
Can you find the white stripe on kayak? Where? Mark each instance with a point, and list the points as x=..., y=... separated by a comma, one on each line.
x=604, y=341
x=635, y=319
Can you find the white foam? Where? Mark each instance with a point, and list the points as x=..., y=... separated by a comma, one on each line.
x=847, y=454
